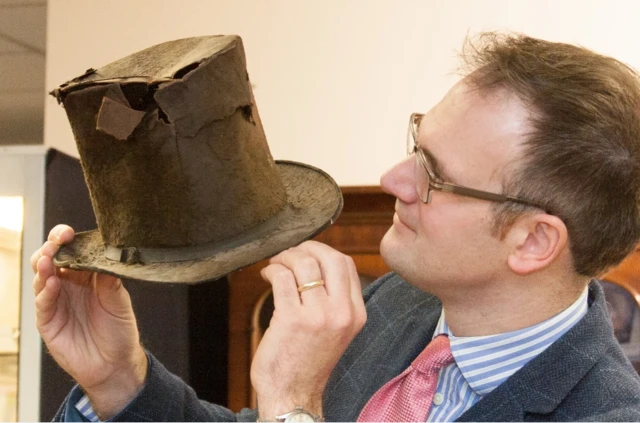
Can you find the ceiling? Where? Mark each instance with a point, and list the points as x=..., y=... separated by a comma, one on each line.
x=22, y=66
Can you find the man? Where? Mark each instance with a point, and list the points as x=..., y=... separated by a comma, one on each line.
x=521, y=186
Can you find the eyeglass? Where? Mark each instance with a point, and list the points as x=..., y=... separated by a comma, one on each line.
x=427, y=181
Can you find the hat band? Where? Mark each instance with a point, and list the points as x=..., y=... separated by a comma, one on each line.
x=136, y=255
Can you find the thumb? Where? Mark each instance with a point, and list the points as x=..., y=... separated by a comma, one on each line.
x=112, y=295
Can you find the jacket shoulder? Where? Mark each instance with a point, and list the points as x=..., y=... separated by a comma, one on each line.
x=610, y=391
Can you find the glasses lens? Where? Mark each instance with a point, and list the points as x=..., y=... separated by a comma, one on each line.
x=421, y=174
x=410, y=141
x=422, y=178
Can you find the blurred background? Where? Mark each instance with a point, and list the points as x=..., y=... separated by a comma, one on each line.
x=23, y=29
x=23, y=25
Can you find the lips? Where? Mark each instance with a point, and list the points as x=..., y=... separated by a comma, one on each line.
x=397, y=219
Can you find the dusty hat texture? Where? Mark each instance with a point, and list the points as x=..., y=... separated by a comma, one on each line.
x=182, y=182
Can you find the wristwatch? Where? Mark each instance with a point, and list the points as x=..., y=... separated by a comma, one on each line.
x=298, y=415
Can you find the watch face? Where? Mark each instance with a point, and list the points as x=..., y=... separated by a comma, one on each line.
x=300, y=417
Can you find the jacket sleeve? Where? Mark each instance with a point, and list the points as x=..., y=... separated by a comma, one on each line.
x=166, y=397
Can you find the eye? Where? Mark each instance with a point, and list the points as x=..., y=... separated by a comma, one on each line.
x=428, y=165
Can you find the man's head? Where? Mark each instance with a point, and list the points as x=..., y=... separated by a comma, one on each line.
x=582, y=157
x=551, y=123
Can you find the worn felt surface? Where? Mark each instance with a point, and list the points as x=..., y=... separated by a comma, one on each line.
x=176, y=160
x=174, y=180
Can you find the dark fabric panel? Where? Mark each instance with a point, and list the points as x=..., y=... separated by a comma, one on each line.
x=209, y=339
x=162, y=312
x=66, y=194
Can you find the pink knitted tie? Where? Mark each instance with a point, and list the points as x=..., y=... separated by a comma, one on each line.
x=408, y=396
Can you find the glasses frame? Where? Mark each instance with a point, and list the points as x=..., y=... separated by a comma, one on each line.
x=435, y=184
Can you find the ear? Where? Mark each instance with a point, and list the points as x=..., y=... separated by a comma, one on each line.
x=536, y=240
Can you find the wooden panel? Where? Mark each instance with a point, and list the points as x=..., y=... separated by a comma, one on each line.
x=366, y=216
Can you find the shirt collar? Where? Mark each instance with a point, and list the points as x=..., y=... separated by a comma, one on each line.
x=487, y=361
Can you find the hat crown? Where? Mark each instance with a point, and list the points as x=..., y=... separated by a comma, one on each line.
x=172, y=147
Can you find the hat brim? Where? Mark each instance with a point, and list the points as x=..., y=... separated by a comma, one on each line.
x=314, y=203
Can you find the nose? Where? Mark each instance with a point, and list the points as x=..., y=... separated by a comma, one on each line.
x=399, y=181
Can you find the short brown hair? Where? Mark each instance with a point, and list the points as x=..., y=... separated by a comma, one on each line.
x=582, y=158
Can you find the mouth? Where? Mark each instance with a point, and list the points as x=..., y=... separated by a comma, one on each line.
x=398, y=221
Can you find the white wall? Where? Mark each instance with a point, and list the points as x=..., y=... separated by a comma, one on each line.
x=10, y=255
x=335, y=79
x=22, y=175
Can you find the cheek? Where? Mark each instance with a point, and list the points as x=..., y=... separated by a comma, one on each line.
x=456, y=223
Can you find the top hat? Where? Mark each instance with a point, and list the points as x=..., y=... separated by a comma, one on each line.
x=181, y=179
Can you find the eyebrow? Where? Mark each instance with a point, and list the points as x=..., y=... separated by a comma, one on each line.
x=433, y=163
x=436, y=167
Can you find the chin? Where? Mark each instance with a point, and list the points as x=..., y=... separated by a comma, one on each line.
x=398, y=253
x=399, y=234
x=395, y=250
x=388, y=241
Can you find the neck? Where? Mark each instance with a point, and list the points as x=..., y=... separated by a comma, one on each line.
x=507, y=306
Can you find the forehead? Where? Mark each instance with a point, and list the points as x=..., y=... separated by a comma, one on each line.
x=475, y=134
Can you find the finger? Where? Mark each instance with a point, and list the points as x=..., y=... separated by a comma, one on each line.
x=306, y=269
x=47, y=301
x=343, y=282
x=48, y=249
x=44, y=270
x=356, y=288
x=333, y=266
x=34, y=259
x=61, y=234
x=283, y=283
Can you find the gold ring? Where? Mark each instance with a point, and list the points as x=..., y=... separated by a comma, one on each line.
x=310, y=285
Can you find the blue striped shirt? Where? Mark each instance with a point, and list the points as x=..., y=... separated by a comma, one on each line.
x=84, y=407
x=482, y=363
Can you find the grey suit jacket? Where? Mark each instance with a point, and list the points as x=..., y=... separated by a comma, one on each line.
x=583, y=376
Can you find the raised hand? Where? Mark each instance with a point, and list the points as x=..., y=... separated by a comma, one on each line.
x=87, y=322
x=309, y=330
